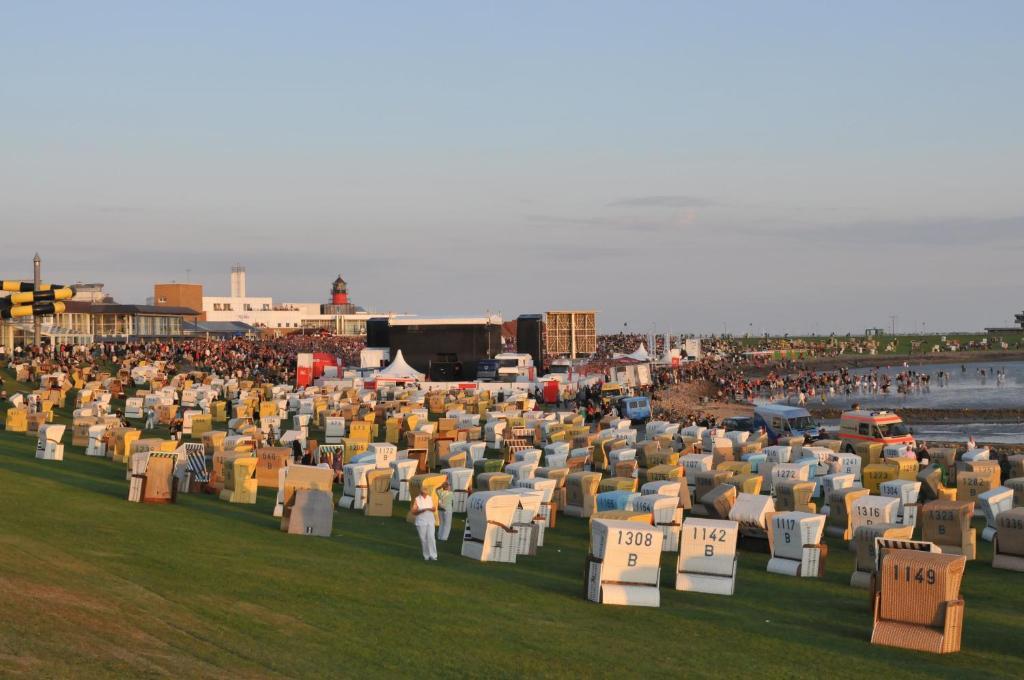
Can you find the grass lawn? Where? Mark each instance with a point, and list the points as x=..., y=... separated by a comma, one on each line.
x=905, y=343
x=94, y=586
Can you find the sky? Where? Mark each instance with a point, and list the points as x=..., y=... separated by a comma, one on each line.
x=678, y=166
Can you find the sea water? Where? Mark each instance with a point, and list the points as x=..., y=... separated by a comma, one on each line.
x=964, y=389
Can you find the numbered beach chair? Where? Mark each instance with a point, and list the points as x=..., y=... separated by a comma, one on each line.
x=918, y=605
x=623, y=564
x=796, y=545
x=1008, y=543
x=707, y=556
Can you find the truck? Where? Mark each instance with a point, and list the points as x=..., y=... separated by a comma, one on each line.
x=610, y=393
x=561, y=370
x=632, y=375
x=782, y=420
x=515, y=367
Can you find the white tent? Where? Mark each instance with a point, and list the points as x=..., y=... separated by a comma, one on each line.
x=399, y=371
x=640, y=354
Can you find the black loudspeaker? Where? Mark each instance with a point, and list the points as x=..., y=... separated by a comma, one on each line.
x=378, y=333
x=530, y=338
x=445, y=371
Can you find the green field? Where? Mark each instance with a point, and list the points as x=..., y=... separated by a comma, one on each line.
x=94, y=586
x=905, y=344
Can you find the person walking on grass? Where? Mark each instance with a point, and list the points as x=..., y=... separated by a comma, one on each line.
x=423, y=510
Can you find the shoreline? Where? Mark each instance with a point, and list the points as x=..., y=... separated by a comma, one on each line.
x=883, y=361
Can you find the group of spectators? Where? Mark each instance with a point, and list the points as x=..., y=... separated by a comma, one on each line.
x=265, y=358
x=733, y=373
x=627, y=343
x=796, y=383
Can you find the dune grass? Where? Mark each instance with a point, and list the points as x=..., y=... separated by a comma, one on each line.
x=94, y=586
x=907, y=344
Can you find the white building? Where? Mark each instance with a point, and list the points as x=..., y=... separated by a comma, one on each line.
x=262, y=312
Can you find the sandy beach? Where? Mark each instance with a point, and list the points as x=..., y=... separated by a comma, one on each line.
x=677, y=402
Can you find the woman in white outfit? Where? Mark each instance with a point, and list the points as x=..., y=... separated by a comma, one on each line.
x=423, y=510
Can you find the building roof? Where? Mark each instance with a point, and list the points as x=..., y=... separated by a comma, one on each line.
x=445, y=321
x=82, y=306
x=217, y=327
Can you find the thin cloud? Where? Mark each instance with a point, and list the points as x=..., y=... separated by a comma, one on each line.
x=957, y=232
x=663, y=202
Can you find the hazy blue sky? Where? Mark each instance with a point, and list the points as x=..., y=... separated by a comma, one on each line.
x=801, y=166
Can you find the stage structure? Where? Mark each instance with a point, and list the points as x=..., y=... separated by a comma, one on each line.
x=571, y=333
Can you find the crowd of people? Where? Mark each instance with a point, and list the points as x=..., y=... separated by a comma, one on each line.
x=733, y=373
x=270, y=359
x=627, y=343
x=795, y=383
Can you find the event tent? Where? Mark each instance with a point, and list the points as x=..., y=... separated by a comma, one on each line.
x=399, y=371
x=640, y=354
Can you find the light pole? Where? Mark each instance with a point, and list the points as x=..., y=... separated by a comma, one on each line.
x=38, y=281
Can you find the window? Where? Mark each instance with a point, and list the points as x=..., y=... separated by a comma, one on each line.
x=157, y=325
x=162, y=300
x=864, y=429
x=894, y=430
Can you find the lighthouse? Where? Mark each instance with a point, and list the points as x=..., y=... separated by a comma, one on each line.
x=339, y=291
x=339, y=303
